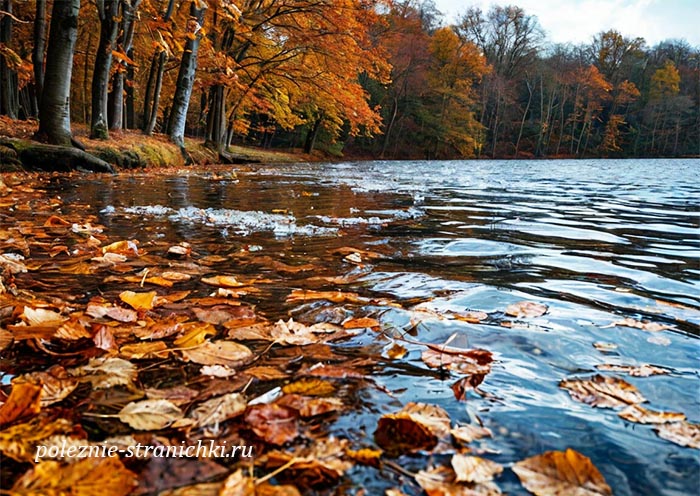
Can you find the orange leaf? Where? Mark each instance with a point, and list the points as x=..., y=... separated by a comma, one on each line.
x=138, y=301
x=24, y=401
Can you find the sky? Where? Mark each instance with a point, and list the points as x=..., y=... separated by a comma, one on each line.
x=578, y=21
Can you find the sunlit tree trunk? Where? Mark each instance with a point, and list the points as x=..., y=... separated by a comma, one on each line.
x=108, y=11
x=54, y=111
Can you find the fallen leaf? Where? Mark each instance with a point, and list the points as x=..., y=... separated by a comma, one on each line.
x=561, y=472
x=681, y=433
x=226, y=353
x=122, y=314
x=474, y=469
x=319, y=465
x=20, y=441
x=441, y=481
x=194, y=334
x=308, y=407
x=605, y=347
x=310, y=387
x=266, y=373
x=238, y=484
x=218, y=409
x=150, y=415
x=463, y=361
x=603, y=391
x=122, y=248
x=220, y=314
x=362, y=323
x=471, y=316
x=333, y=296
x=42, y=317
x=416, y=426
x=88, y=476
x=273, y=423
x=138, y=301
x=6, y=339
x=524, y=309
x=366, y=456
x=143, y=350
x=217, y=371
x=639, y=324
x=107, y=372
x=468, y=433
x=639, y=371
x=56, y=384
x=56, y=221
x=640, y=415
x=223, y=281
x=178, y=395
x=24, y=401
x=466, y=384
x=396, y=352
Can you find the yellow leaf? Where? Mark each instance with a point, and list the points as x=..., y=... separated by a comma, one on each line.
x=195, y=333
x=24, y=401
x=310, y=387
x=150, y=415
x=138, y=301
x=19, y=442
x=223, y=281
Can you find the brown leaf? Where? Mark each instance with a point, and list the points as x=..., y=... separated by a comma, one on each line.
x=440, y=481
x=645, y=370
x=603, y=391
x=122, y=314
x=226, y=353
x=471, y=316
x=362, y=323
x=273, y=423
x=319, y=465
x=310, y=387
x=139, y=351
x=178, y=395
x=266, y=373
x=523, y=309
x=20, y=441
x=24, y=401
x=56, y=221
x=138, y=301
x=56, y=384
x=558, y=472
x=308, y=407
x=474, y=469
x=463, y=361
x=42, y=317
x=219, y=314
x=150, y=415
x=417, y=426
x=334, y=296
x=218, y=409
x=86, y=477
x=107, y=372
x=465, y=384
x=682, y=433
x=640, y=415
x=5, y=339
x=122, y=248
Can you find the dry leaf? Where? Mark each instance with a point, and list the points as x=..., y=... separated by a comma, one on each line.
x=223, y=281
x=273, y=423
x=462, y=361
x=150, y=415
x=319, y=465
x=122, y=314
x=523, y=309
x=640, y=415
x=178, y=395
x=440, y=481
x=682, y=433
x=107, y=372
x=334, y=296
x=24, y=401
x=645, y=370
x=122, y=248
x=218, y=409
x=362, y=323
x=139, y=351
x=417, y=426
x=138, y=301
x=308, y=407
x=42, y=317
x=474, y=469
x=602, y=391
x=86, y=477
x=194, y=334
x=266, y=373
x=217, y=371
x=558, y=472
x=56, y=384
x=20, y=441
x=366, y=456
x=605, y=347
x=639, y=324
x=226, y=353
x=6, y=339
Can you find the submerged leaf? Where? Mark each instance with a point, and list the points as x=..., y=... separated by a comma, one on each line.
x=310, y=387
x=640, y=324
x=603, y=392
x=561, y=472
x=462, y=361
x=416, y=426
x=523, y=309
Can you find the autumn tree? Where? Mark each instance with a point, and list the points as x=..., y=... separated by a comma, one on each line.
x=107, y=10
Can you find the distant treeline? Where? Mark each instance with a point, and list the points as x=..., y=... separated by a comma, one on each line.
x=373, y=78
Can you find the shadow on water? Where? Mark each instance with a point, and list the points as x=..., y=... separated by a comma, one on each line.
x=597, y=241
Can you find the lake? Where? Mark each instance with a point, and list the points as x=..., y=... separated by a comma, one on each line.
x=597, y=241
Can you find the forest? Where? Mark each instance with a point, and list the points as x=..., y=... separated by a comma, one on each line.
x=364, y=78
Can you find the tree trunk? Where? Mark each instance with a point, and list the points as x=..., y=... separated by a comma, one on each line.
x=522, y=122
x=54, y=111
x=216, y=118
x=312, y=135
x=129, y=107
x=39, y=48
x=108, y=11
x=9, y=90
x=122, y=82
x=185, y=77
x=153, y=111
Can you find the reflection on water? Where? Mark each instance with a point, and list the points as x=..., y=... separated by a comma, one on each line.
x=597, y=241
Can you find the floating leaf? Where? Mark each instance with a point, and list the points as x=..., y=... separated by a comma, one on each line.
x=441, y=481
x=416, y=426
x=88, y=476
x=273, y=423
x=463, y=361
x=524, y=309
x=334, y=296
x=320, y=465
x=361, y=323
x=682, y=433
x=218, y=409
x=639, y=371
x=138, y=301
x=561, y=472
x=266, y=373
x=150, y=415
x=603, y=392
x=366, y=456
x=639, y=324
x=473, y=317
x=308, y=407
x=474, y=469
x=24, y=401
x=468, y=433
x=226, y=353
x=640, y=415
x=605, y=347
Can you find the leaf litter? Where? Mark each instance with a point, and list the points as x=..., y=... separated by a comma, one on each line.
x=175, y=349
